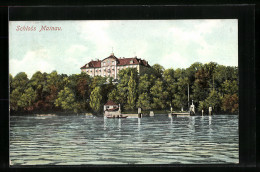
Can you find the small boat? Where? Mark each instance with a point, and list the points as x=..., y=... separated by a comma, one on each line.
x=116, y=116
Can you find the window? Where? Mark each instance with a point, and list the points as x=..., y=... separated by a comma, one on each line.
x=104, y=63
x=131, y=61
x=107, y=107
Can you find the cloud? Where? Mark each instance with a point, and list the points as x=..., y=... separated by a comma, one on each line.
x=171, y=43
x=205, y=41
x=174, y=60
x=96, y=34
x=37, y=60
x=76, y=49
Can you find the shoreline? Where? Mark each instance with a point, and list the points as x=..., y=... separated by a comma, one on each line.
x=99, y=115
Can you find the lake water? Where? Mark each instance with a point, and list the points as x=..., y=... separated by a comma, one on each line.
x=83, y=140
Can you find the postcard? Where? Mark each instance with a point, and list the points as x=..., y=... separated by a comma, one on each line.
x=109, y=92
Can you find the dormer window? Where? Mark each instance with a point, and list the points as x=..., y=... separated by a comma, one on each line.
x=87, y=65
x=131, y=61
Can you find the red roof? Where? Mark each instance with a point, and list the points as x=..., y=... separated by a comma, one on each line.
x=120, y=62
x=93, y=64
x=111, y=103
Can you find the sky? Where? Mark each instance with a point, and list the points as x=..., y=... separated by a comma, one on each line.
x=170, y=43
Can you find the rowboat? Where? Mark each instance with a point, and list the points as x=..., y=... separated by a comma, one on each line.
x=116, y=116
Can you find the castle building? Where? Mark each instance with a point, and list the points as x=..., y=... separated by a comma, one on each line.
x=110, y=66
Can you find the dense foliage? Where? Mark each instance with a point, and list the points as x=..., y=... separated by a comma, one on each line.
x=158, y=89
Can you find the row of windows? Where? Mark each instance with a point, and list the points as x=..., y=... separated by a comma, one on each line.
x=113, y=63
x=99, y=74
x=105, y=69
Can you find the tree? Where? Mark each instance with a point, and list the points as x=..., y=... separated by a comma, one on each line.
x=95, y=99
x=158, y=70
x=144, y=84
x=220, y=75
x=37, y=82
x=54, y=84
x=200, y=88
x=97, y=81
x=181, y=93
x=214, y=100
x=230, y=103
x=14, y=98
x=11, y=83
x=113, y=95
x=122, y=86
x=131, y=96
x=83, y=86
x=192, y=70
x=202, y=106
x=66, y=100
x=20, y=81
x=229, y=87
x=144, y=101
x=27, y=99
x=159, y=95
x=170, y=84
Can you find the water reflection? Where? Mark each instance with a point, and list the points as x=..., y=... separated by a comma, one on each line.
x=139, y=124
x=171, y=120
x=210, y=118
x=105, y=123
x=210, y=126
x=119, y=124
x=192, y=123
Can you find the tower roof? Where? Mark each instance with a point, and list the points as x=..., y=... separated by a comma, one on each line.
x=110, y=103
